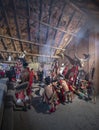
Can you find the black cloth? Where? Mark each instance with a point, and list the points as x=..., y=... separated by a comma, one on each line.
x=11, y=74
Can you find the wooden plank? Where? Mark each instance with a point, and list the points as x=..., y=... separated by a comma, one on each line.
x=70, y=33
x=29, y=42
x=17, y=24
x=60, y=17
x=3, y=43
x=29, y=54
x=28, y=25
x=50, y=10
x=70, y=19
x=39, y=19
x=7, y=22
x=76, y=7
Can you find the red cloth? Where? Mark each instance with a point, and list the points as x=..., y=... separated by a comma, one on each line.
x=65, y=70
x=20, y=95
x=63, y=98
x=31, y=77
x=2, y=73
x=74, y=69
x=18, y=67
x=70, y=87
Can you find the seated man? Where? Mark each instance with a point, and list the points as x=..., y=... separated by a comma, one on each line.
x=65, y=90
x=50, y=96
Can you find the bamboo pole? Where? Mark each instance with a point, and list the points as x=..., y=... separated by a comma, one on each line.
x=29, y=54
x=30, y=42
x=70, y=33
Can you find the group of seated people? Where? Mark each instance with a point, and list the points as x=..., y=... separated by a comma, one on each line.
x=56, y=92
x=62, y=91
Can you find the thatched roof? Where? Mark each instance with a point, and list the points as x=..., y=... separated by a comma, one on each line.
x=42, y=28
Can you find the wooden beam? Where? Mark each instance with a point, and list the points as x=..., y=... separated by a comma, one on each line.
x=17, y=24
x=28, y=20
x=7, y=22
x=62, y=11
x=70, y=33
x=70, y=19
x=66, y=43
x=29, y=42
x=29, y=54
x=76, y=7
x=39, y=25
x=3, y=43
x=28, y=25
x=39, y=19
x=9, y=62
x=79, y=21
x=50, y=10
x=61, y=37
x=1, y=57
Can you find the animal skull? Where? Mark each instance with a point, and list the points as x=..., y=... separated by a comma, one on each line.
x=82, y=60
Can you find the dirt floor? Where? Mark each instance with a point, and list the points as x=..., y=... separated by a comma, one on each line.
x=79, y=115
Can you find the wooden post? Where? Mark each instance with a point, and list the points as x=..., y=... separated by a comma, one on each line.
x=97, y=62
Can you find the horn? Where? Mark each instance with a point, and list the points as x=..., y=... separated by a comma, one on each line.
x=82, y=60
x=87, y=56
x=77, y=56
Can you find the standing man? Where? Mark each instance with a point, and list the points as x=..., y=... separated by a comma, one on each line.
x=29, y=89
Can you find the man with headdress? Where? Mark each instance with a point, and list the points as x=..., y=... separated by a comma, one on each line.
x=18, y=67
x=24, y=78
